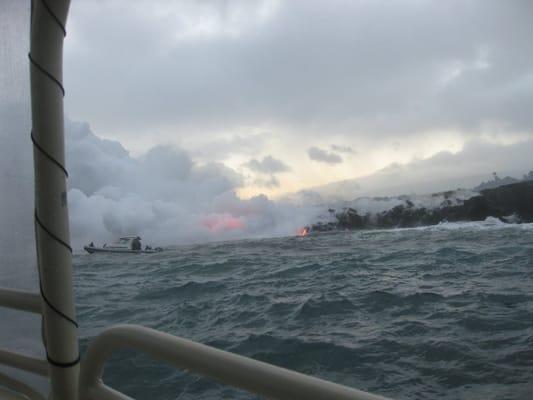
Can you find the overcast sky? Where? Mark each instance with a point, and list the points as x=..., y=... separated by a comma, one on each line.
x=295, y=94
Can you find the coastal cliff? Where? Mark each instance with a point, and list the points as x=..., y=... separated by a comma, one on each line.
x=509, y=203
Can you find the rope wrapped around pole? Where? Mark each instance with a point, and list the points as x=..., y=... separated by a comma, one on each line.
x=51, y=212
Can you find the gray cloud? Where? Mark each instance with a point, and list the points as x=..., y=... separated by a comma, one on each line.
x=374, y=70
x=320, y=155
x=222, y=148
x=268, y=165
x=342, y=149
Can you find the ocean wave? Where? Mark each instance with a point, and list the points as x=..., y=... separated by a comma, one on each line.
x=323, y=307
x=439, y=312
x=189, y=290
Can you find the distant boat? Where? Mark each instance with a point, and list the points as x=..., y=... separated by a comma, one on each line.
x=126, y=244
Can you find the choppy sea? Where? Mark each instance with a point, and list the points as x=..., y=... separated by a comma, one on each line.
x=443, y=312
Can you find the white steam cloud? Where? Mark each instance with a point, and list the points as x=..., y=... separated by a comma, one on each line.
x=164, y=196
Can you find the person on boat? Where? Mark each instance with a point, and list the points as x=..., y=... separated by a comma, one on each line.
x=91, y=244
x=136, y=243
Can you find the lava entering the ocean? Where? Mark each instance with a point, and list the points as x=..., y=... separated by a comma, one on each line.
x=223, y=222
x=304, y=231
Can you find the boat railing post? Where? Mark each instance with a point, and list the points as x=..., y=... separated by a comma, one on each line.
x=51, y=212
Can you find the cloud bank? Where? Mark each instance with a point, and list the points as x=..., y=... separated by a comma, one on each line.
x=239, y=80
x=370, y=69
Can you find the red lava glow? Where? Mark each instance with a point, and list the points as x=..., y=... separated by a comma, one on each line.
x=223, y=222
x=303, y=231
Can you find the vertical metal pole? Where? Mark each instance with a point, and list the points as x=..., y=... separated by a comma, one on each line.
x=51, y=212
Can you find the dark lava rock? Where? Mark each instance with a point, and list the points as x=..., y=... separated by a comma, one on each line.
x=514, y=200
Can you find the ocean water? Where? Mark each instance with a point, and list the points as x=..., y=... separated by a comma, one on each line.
x=443, y=312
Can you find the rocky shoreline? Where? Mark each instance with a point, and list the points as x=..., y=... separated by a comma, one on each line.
x=511, y=203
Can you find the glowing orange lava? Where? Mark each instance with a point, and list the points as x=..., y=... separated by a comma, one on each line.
x=304, y=231
x=223, y=222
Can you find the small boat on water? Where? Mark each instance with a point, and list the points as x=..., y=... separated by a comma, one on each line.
x=126, y=244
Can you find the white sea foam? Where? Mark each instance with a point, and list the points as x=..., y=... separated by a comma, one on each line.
x=490, y=223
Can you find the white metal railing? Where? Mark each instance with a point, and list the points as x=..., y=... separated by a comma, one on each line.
x=20, y=361
x=242, y=372
x=21, y=300
x=29, y=302
x=18, y=390
x=235, y=370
